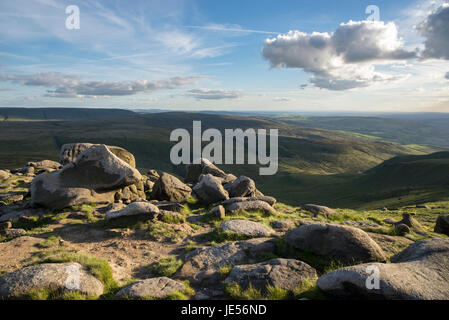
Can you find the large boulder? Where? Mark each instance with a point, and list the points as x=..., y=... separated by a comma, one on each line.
x=209, y=190
x=247, y=228
x=4, y=175
x=71, y=151
x=134, y=209
x=93, y=177
x=316, y=209
x=170, y=188
x=420, y=272
x=442, y=224
x=286, y=274
x=202, y=265
x=335, y=242
x=158, y=288
x=53, y=276
x=241, y=187
x=250, y=205
x=194, y=171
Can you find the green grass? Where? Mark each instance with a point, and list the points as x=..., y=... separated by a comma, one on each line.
x=51, y=241
x=165, y=267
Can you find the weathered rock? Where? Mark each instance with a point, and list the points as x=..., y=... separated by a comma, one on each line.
x=204, y=167
x=170, y=188
x=91, y=178
x=11, y=197
x=285, y=274
x=158, y=288
x=70, y=152
x=202, y=264
x=420, y=272
x=209, y=190
x=402, y=228
x=218, y=211
x=169, y=205
x=54, y=276
x=133, y=209
x=283, y=225
x=335, y=242
x=4, y=175
x=153, y=175
x=442, y=224
x=149, y=185
x=5, y=225
x=316, y=209
x=241, y=187
x=229, y=177
x=247, y=228
x=13, y=233
x=250, y=205
x=47, y=165
x=270, y=200
x=409, y=221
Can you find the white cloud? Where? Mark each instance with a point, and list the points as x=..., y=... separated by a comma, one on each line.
x=72, y=86
x=282, y=99
x=214, y=94
x=435, y=30
x=342, y=60
x=447, y=75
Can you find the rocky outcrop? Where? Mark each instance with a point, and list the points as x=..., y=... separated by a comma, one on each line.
x=70, y=152
x=170, y=188
x=420, y=272
x=158, y=288
x=335, y=242
x=93, y=177
x=247, y=228
x=241, y=187
x=442, y=224
x=286, y=274
x=202, y=264
x=209, y=190
x=194, y=171
x=52, y=276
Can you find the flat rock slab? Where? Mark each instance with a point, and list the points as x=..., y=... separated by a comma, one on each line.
x=336, y=242
x=158, y=288
x=317, y=209
x=247, y=228
x=420, y=272
x=285, y=274
x=54, y=276
x=202, y=264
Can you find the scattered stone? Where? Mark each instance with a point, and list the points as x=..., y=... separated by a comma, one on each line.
x=420, y=272
x=330, y=241
x=218, y=211
x=204, y=167
x=402, y=228
x=442, y=225
x=241, y=187
x=149, y=185
x=70, y=152
x=283, y=225
x=158, y=288
x=13, y=233
x=153, y=175
x=169, y=206
x=409, y=221
x=170, y=188
x=44, y=166
x=93, y=176
x=251, y=205
x=361, y=224
x=286, y=274
x=55, y=276
x=133, y=209
x=209, y=190
x=11, y=197
x=316, y=209
x=270, y=200
x=202, y=264
x=247, y=228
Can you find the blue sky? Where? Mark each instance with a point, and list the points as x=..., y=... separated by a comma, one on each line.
x=225, y=55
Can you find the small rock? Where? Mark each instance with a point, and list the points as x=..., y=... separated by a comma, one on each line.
x=13, y=233
x=209, y=190
x=158, y=288
x=316, y=209
x=170, y=188
x=218, y=211
x=5, y=225
x=251, y=205
x=442, y=224
x=247, y=228
x=241, y=187
x=283, y=225
x=133, y=209
x=402, y=228
x=4, y=175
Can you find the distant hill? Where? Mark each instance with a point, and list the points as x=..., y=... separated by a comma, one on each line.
x=15, y=114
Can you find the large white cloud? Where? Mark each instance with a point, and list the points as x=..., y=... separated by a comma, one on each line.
x=72, y=86
x=342, y=60
x=436, y=31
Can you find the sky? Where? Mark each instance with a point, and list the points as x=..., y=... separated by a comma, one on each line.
x=348, y=55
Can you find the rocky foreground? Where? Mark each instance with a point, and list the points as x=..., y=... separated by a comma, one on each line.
x=92, y=226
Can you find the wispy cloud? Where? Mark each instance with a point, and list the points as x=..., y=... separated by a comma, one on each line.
x=230, y=28
x=214, y=94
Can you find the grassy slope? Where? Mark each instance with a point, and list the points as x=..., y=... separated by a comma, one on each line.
x=316, y=165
